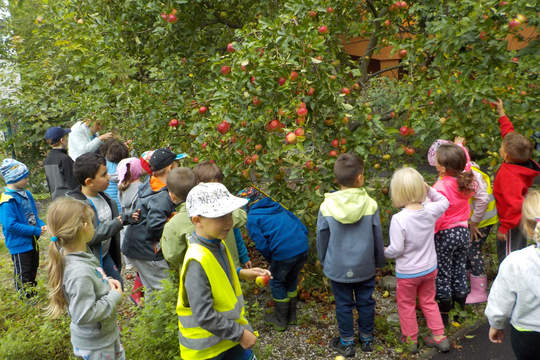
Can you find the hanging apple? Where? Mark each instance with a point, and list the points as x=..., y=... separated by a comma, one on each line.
x=225, y=69
x=223, y=127
x=323, y=29
x=173, y=123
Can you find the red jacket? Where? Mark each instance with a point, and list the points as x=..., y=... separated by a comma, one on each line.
x=511, y=185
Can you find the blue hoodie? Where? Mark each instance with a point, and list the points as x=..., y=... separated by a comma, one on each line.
x=349, y=236
x=18, y=233
x=278, y=234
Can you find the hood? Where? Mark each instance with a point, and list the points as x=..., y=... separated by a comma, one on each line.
x=270, y=206
x=348, y=206
x=145, y=189
x=528, y=169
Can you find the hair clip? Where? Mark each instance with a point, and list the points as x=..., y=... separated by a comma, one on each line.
x=538, y=219
x=54, y=238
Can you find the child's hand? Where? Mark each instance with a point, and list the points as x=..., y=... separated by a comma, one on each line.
x=135, y=215
x=119, y=218
x=496, y=336
x=459, y=140
x=43, y=229
x=501, y=236
x=106, y=136
x=248, y=265
x=251, y=274
x=248, y=339
x=115, y=285
x=475, y=232
x=500, y=107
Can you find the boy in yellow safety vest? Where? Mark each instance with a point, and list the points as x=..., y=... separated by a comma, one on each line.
x=210, y=309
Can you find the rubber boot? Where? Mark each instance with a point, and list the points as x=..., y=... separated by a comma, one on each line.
x=445, y=305
x=478, y=292
x=137, y=293
x=279, y=318
x=459, y=299
x=291, y=318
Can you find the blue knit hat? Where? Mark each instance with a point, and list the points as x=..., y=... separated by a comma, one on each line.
x=13, y=170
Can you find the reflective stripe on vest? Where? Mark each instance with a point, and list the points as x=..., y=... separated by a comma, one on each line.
x=490, y=216
x=196, y=342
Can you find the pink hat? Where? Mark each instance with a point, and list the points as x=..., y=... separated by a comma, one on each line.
x=432, y=152
x=135, y=168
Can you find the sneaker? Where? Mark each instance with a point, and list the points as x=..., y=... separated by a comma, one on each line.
x=345, y=350
x=366, y=343
x=442, y=345
x=410, y=345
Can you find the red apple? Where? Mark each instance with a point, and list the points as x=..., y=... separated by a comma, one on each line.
x=514, y=23
x=411, y=131
x=256, y=101
x=243, y=67
x=173, y=123
x=333, y=153
x=172, y=19
x=402, y=4
x=482, y=35
x=273, y=125
x=515, y=60
x=392, y=114
x=252, y=80
x=409, y=151
x=387, y=22
x=203, y=110
x=335, y=143
x=402, y=53
x=258, y=147
x=523, y=93
x=330, y=10
x=225, y=69
x=291, y=138
x=299, y=132
x=195, y=159
x=346, y=91
x=343, y=141
x=310, y=164
x=230, y=48
x=165, y=16
x=254, y=157
x=302, y=111
x=404, y=130
x=282, y=81
x=312, y=13
x=204, y=145
x=311, y=91
x=294, y=75
x=223, y=127
x=262, y=280
x=323, y=29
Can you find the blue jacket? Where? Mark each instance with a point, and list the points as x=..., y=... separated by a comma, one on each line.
x=278, y=234
x=18, y=233
x=349, y=236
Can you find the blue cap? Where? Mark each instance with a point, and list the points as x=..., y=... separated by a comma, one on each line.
x=55, y=134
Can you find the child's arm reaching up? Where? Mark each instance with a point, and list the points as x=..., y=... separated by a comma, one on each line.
x=504, y=122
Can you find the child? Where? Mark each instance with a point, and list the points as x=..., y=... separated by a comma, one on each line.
x=412, y=245
x=141, y=245
x=350, y=247
x=282, y=239
x=77, y=282
x=129, y=172
x=515, y=175
x=116, y=151
x=83, y=138
x=21, y=226
x=515, y=293
x=211, y=313
x=58, y=165
x=209, y=172
x=91, y=172
x=452, y=234
x=161, y=162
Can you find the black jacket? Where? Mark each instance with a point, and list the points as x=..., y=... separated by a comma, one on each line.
x=142, y=240
x=104, y=230
x=59, y=171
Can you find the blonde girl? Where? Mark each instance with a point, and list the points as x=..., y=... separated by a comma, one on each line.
x=515, y=293
x=412, y=245
x=78, y=283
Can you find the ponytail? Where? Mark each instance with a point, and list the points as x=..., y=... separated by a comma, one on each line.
x=124, y=184
x=65, y=219
x=466, y=182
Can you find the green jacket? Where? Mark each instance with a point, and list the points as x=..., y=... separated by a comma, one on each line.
x=174, y=238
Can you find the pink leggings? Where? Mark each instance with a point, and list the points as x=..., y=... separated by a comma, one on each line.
x=406, y=292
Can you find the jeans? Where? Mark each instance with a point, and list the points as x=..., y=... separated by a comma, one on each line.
x=25, y=266
x=354, y=295
x=235, y=353
x=285, y=276
x=422, y=287
x=525, y=344
x=111, y=269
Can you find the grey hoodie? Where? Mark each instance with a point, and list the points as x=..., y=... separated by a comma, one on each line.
x=92, y=305
x=349, y=236
x=515, y=293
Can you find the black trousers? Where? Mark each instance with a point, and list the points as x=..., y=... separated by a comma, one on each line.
x=25, y=270
x=525, y=344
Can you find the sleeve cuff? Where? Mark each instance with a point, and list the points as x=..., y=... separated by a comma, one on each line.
x=238, y=271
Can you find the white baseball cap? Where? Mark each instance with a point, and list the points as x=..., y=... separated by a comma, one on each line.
x=212, y=200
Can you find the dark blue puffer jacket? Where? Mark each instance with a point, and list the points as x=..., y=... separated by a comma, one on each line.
x=278, y=234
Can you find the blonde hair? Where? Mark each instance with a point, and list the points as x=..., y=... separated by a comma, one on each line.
x=407, y=187
x=65, y=219
x=530, y=215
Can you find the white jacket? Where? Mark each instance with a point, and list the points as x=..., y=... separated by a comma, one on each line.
x=80, y=140
x=515, y=293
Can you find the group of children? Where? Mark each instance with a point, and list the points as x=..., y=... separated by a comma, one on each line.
x=187, y=221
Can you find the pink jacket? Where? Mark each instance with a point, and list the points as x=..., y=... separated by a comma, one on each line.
x=459, y=210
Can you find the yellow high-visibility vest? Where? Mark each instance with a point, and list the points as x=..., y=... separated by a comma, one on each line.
x=195, y=342
x=490, y=217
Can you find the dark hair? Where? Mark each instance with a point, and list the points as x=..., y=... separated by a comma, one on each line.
x=347, y=168
x=86, y=166
x=208, y=171
x=102, y=150
x=454, y=160
x=517, y=147
x=116, y=151
x=180, y=181
x=124, y=184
